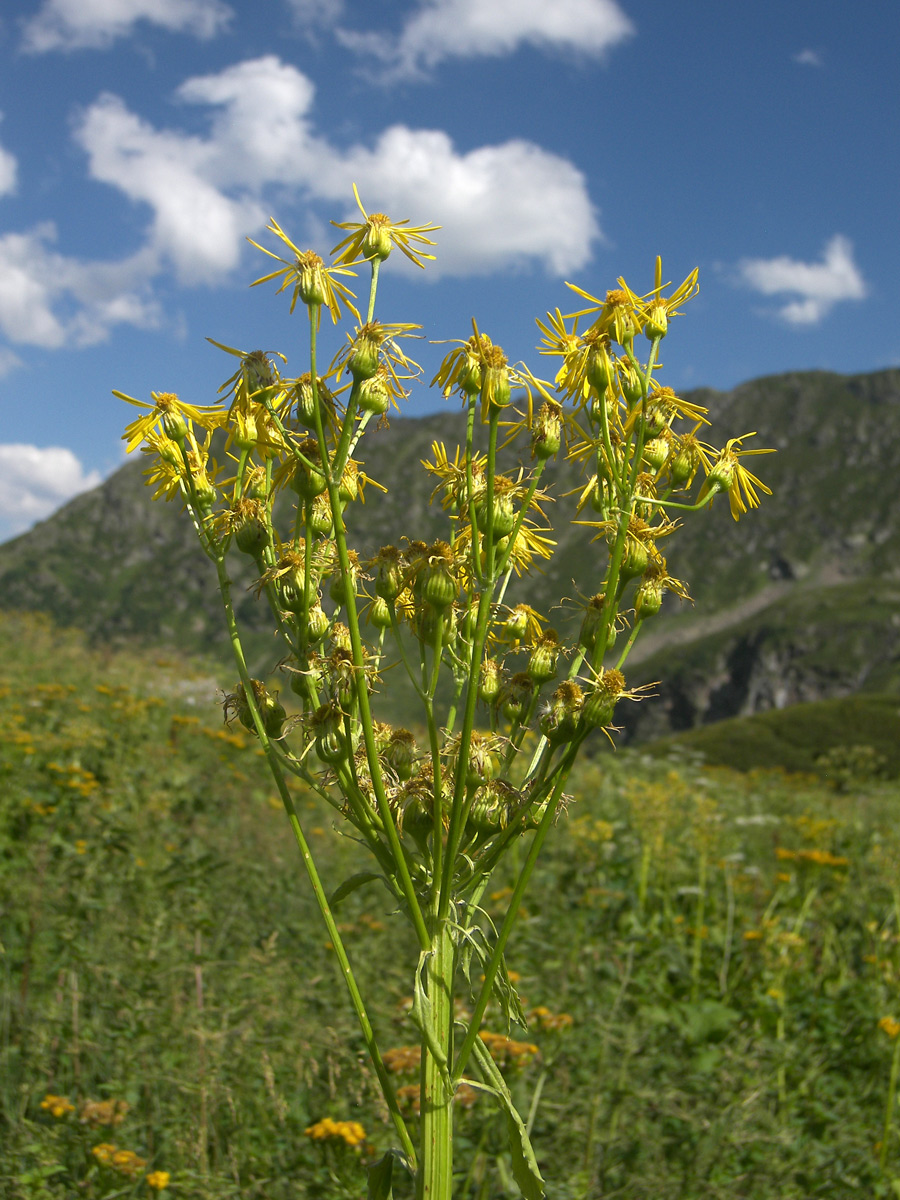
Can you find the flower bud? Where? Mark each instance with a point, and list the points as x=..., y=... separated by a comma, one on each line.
x=559, y=720
x=502, y=514
x=251, y=536
x=364, y=355
x=270, y=710
x=516, y=624
x=401, y=754
x=319, y=519
x=630, y=382
x=380, y=613
x=490, y=680
x=244, y=431
x=316, y=623
x=634, y=559
x=389, y=576
x=599, y=369
x=438, y=586
x=204, y=490
x=656, y=451
x=544, y=656
x=654, y=420
x=374, y=395
x=657, y=322
x=174, y=425
x=648, y=599
x=516, y=697
x=546, y=433
x=308, y=480
x=600, y=703
x=310, y=279
x=489, y=810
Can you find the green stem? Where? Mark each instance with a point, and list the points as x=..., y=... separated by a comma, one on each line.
x=434, y=1180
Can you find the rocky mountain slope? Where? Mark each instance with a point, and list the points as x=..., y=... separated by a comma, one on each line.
x=798, y=601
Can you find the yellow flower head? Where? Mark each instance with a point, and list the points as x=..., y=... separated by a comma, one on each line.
x=890, y=1026
x=313, y=283
x=374, y=237
x=158, y=1180
x=167, y=416
x=727, y=474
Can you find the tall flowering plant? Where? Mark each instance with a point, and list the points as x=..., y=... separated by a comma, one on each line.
x=506, y=703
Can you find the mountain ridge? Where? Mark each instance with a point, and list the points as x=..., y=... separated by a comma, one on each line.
x=121, y=568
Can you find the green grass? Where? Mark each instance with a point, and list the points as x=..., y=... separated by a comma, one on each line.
x=805, y=737
x=724, y=943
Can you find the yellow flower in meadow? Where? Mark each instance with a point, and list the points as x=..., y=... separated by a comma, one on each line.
x=350, y=1132
x=752, y=935
x=158, y=1180
x=57, y=1106
x=890, y=1026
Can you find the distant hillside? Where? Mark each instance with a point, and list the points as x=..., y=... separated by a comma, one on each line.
x=799, y=601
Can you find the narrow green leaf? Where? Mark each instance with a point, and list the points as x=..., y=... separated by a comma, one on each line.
x=524, y=1164
x=350, y=885
x=380, y=1178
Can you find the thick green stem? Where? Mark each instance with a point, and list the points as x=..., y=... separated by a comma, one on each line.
x=434, y=1180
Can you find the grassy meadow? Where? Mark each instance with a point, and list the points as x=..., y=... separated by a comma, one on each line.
x=710, y=961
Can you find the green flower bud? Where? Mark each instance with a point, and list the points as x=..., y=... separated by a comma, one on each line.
x=546, y=433
x=544, y=656
x=559, y=720
x=490, y=681
x=648, y=599
x=308, y=480
x=516, y=697
x=401, y=754
x=380, y=613
x=174, y=425
x=374, y=395
x=600, y=703
x=319, y=519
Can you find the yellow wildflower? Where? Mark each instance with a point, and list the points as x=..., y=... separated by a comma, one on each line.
x=158, y=1180
x=57, y=1106
x=890, y=1026
x=350, y=1132
x=373, y=238
x=313, y=282
x=726, y=474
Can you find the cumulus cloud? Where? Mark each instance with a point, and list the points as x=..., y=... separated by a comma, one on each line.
x=442, y=29
x=48, y=299
x=499, y=205
x=34, y=481
x=816, y=287
x=96, y=24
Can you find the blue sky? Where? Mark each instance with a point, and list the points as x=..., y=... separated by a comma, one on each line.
x=142, y=141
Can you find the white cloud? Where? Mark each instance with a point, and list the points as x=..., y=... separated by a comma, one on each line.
x=8, y=361
x=443, y=29
x=50, y=300
x=96, y=24
x=816, y=286
x=9, y=170
x=313, y=13
x=34, y=481
x=809, y=58
x=499, y=205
